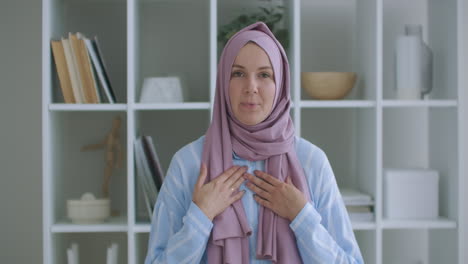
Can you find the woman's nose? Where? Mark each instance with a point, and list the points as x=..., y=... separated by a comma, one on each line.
x=252, y=85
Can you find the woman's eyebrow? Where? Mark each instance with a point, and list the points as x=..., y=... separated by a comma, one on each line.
x=242, y=67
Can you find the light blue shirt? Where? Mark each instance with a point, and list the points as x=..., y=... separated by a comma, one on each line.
x=180, y=230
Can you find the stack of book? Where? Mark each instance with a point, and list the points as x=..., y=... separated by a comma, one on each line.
x=149, y=172
x=359, y=205
x=79, y=63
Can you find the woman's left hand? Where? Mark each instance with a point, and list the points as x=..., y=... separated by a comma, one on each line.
x=283, y=198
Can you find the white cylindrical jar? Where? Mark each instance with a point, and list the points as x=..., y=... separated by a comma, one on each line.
x=413, y=65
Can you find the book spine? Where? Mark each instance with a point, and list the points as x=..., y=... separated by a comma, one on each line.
x=62, y=71
x=72, y=71
x=85, y=83
x=99, y=70
x=87, y=70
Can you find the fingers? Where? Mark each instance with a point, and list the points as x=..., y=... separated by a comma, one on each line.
x=263, y=202
x=225, y=175
x=267, y=177
x=235, y=176
x=202, y=176
x=259, y=182
x=238, y=183
x=259, y=191
x=288, y=180
x=236, y=197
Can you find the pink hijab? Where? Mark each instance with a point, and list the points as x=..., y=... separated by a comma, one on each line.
x=271, y=140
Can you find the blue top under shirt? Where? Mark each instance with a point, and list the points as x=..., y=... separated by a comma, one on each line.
x=180, y=230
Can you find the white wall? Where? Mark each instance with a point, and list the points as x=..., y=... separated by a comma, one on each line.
x=20, y=132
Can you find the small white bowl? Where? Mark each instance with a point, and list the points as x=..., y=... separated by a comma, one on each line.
x=88, y=209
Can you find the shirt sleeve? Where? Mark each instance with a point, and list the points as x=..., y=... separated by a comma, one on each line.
x=178, y=235
x=323, y=230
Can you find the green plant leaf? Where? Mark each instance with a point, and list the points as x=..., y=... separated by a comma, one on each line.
x=265, y=10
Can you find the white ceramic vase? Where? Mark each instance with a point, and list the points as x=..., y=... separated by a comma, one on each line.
x=413, y=65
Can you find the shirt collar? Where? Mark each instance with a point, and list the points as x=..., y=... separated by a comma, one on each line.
x=235, y=156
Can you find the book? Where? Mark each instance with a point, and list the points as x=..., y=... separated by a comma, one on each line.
x=72, y=71
x=105, y=71
x=141, y=179
x=100, y=70
x=358, y=209
x=144, y=176
x=74, y=48
x=91, y=78
x=355, y=197
x=361, y=216
x=153, y=161
x=82, y=61
x=62, y=71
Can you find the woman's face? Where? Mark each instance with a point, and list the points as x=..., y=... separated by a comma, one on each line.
x=252, y=85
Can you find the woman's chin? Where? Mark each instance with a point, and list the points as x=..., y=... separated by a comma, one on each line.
x=250, y=121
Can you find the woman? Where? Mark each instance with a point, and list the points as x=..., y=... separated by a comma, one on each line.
x=249, y=191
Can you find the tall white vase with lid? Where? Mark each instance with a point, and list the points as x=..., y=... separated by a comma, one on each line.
x=413, y=65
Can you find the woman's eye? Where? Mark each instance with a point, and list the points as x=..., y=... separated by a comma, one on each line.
x=236, y=74
x=265, y=75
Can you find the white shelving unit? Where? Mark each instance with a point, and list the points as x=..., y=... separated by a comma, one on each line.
x=367, y=131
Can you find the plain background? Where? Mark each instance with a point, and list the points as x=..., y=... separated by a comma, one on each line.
x=20, y=132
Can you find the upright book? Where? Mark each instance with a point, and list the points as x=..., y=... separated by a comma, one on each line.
x=62, y=71
x=84, y=70
x=145, y=179
x=153, y=161
x=100, y=68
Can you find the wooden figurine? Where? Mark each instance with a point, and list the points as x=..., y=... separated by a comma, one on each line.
x=113, y=152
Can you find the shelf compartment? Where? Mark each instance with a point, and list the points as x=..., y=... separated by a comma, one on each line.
x=366, y=240
x=113, y=224
x=87, y=17
x=419, y=246
x=75, y=172
x=168, y=137
x=348, y=138
x=92, y=246
x=341, y=39
x=428, y=143
x=141, y=243
x=165, y=52
x=439, y=22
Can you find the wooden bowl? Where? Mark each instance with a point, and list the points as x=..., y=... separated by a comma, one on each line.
x=328, y=85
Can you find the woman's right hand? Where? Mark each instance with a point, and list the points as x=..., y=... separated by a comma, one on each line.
x=215, y=196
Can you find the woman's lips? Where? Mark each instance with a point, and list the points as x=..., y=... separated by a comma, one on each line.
x=249, y=106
